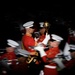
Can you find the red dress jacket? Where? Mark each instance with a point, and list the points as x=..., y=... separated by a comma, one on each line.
x=9, y=56
x=51, y=53
x=28, y=42
x=41, y=38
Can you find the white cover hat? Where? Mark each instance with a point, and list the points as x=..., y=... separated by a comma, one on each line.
x=28, y=24
x=41, y=24
x=56, y=37
x=12, y=43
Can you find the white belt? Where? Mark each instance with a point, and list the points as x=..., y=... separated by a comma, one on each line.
x=48, y=66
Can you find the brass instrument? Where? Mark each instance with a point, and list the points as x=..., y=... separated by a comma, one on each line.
x=32, y=58
x=47, y=26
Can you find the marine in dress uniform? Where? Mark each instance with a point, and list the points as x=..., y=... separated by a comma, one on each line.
x=27, y=39
x=28, y=42
x=50, y=67
x=70, y=59
x=10, y=56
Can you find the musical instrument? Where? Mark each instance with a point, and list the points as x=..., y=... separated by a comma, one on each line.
x=47, y=26
x=32, y=58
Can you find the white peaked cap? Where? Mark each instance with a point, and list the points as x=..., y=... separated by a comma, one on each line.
x=41, y=24
x=28, y=24
x=56, y=37
x=72, y=47
x=12, y=43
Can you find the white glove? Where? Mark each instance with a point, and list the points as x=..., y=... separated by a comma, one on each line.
x=40, y=44
x=36, y=39
x=41, y=50
x=45, y=41
x=38, y=48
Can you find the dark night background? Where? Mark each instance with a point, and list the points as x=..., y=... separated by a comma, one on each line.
x=61, y=16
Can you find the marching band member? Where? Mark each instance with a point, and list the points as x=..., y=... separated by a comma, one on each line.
x=69, y=54
x=50, y=67
x=71, y=62
x=27, y=39
x=9, y=57
x=28, y=42
x=10, y=53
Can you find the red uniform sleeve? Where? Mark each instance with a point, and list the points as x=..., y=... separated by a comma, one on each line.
x=8, y=56
x=51, y=53
x=28, y=42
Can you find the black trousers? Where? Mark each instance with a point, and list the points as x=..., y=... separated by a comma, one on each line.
x=34, y=69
